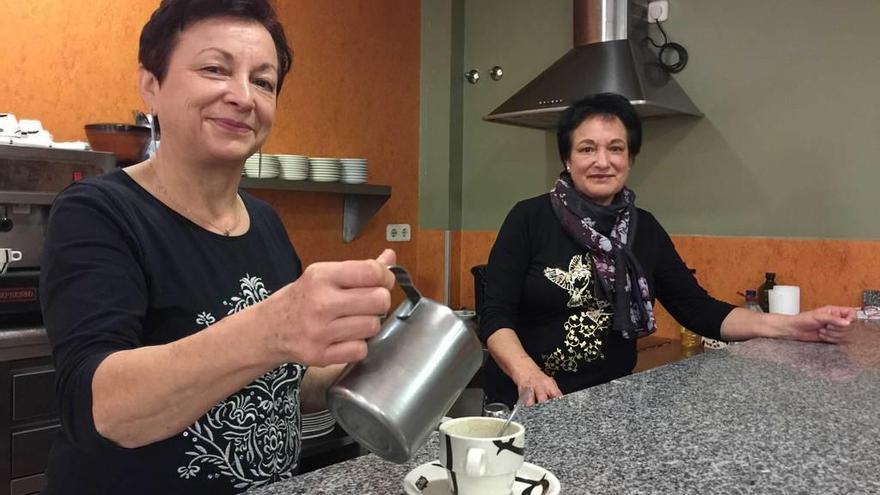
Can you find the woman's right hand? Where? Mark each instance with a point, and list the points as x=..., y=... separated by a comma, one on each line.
x=544, y=387
x=508, y=352
x=328, y=313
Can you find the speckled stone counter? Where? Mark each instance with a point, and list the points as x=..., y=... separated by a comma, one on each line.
x=763, y=416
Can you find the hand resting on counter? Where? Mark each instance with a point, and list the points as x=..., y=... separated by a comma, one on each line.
x=508, y=352
x=831, y=324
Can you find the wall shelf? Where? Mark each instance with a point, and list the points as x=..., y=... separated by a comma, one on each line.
x=106, y=161
x=360, y=201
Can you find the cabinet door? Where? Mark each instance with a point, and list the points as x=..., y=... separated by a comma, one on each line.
x=33, y=393
x=30, y=449
x=5, y=415
x=30, y=485
x=28, y=423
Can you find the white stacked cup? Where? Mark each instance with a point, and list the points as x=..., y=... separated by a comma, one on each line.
x=354, y=170
x=294, y=167
x=262, y=166
x=785, y=299
x=324, y=169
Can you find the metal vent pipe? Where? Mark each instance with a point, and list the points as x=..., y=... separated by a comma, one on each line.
x=600, y=20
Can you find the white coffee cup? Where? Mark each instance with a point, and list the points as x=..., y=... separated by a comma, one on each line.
x=8, y=125
x=785, y=299
x=478, y=460
x=29, y=126
x=7, y=257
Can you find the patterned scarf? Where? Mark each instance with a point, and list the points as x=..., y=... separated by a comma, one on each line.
x=586, y=222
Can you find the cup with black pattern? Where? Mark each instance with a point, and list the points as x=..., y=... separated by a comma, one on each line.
x=478, y=459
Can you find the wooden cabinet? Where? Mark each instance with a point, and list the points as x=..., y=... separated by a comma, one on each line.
x=657, y=351
x=28, y=423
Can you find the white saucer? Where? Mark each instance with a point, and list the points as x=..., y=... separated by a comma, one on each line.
x=438, y=481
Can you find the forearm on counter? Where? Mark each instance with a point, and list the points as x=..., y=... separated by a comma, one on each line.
x=743, y=324
x=508, y=352
x=141, y=396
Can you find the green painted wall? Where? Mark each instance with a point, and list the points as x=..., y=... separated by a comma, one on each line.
x=455, y=147
x=788, y=147
x=439, y=142
x=501, y=163
x=791, y=138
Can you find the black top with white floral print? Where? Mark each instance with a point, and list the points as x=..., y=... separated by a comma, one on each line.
x=541, y=283
x=120, y=271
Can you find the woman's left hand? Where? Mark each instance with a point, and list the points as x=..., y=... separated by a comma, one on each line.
x=826, y=324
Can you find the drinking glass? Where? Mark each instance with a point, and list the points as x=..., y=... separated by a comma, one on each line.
x=496, y=410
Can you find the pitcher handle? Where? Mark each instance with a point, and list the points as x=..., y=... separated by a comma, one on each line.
x=405, y=283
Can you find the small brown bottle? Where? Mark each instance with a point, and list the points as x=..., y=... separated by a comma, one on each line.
x=763, y=298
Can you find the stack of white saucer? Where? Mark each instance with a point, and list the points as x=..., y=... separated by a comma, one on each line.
x=324, y=169
x=317, y=424
x=354, y=170
x=262, y=166
x=294, y=167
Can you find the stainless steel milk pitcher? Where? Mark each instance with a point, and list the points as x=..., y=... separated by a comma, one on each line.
x=416, y=366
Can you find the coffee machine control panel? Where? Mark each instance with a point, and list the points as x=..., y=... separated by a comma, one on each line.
x=30, y=179
x=27, y=189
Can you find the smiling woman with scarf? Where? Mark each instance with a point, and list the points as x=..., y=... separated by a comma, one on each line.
x=574, y=273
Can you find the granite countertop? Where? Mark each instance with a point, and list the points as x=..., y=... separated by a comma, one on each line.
x=763, y=416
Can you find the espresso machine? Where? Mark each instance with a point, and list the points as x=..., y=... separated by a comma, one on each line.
x=30, y=178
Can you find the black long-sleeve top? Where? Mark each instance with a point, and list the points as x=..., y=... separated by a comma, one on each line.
x=121, y=271
x=541, y=283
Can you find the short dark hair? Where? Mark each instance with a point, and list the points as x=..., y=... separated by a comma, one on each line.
x=160, y=33
x=604, y=105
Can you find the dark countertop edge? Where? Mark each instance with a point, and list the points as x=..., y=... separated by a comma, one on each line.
x=23, y=342
x=19, y=336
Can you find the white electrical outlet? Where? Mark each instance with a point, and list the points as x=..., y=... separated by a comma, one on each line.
x=658, y=10
x=398, y=232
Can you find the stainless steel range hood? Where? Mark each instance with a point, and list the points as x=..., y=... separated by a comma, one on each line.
x=611, y=54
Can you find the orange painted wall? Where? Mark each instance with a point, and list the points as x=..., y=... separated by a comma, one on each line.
x=353, y=91
x=827, y=271
x=71, y=62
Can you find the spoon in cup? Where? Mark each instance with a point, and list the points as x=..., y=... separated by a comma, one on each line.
x=523, y=397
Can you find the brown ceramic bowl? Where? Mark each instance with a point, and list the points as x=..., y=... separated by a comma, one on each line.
x=127, y=142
